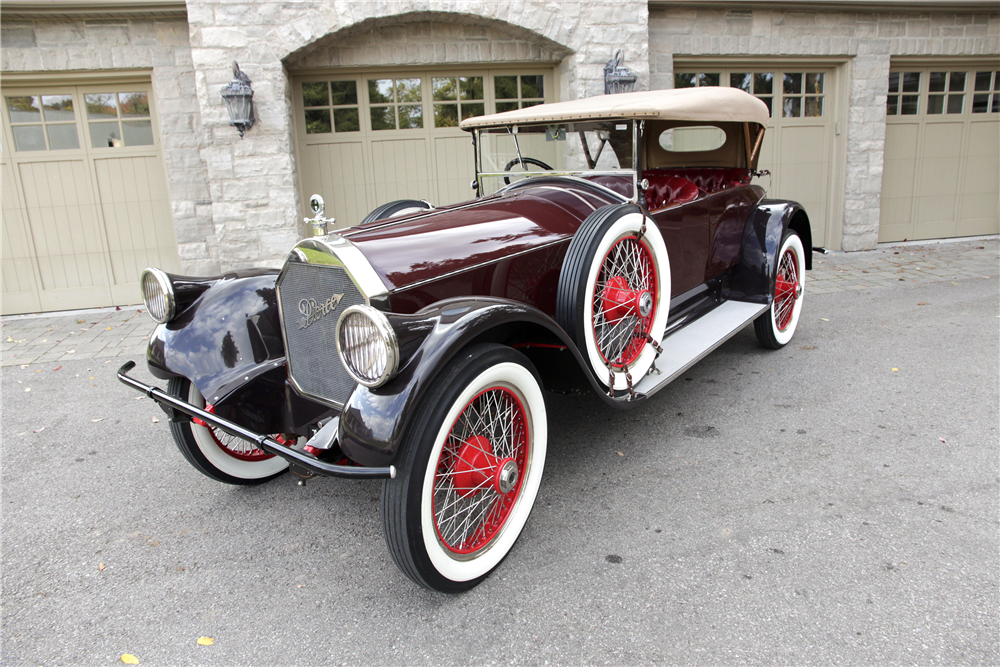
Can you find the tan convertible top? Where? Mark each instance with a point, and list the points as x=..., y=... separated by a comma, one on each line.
x=708, y=103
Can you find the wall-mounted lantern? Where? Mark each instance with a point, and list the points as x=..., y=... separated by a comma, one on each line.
x=617, y=77
x=238, y=96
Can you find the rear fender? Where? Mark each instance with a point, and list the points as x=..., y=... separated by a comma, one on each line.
x=374, y=421
x=753, y=276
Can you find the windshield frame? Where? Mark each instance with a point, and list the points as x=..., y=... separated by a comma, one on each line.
x=632, y=173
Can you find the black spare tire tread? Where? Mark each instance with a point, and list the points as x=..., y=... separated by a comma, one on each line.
x=386, y=210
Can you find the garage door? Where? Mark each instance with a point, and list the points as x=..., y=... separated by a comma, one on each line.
x=367, y=138
x=798, y=146
x=942, y=153
x=85, y=202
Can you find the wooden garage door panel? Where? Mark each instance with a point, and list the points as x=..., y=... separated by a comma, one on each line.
x=136, y=207
x=980, y=206
x=337, y=173
x=805, y=174
x=401, y=169
x=455, y=164
x=899, y=172
x=65, y=231
x=17, y=272
x=937, y=182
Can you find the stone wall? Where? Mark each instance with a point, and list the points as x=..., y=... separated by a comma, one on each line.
x=869, y=40
x=159, y=45
x=257, y=215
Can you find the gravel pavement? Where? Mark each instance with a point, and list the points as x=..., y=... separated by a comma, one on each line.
x=835, y=502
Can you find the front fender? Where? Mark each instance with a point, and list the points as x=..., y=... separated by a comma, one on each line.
x=753, y=276
x=374, y=421
x=227, y=337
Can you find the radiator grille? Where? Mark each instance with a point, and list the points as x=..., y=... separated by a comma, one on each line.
x=312, y=299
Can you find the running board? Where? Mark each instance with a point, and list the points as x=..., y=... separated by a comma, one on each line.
x=689, y=344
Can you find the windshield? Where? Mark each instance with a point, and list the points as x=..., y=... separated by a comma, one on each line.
x=600, y=151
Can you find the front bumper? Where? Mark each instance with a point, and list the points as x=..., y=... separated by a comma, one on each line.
x=322, y=439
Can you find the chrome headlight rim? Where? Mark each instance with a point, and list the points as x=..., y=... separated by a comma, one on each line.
x=387, y=336
x=166, y=288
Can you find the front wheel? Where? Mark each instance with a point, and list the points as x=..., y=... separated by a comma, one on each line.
x=777, y=326
x=221, y=456
x=470, y=468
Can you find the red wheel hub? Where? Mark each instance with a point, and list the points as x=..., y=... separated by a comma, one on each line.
x=477, y=468
x=618, y=300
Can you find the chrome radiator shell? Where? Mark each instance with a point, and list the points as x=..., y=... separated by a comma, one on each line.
x=321, y=279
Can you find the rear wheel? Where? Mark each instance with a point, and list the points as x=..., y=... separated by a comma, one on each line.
x=777, y=326
x=221, y=456
x=470, y=468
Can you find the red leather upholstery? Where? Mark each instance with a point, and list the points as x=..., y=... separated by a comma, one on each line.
x=711, y=179
x=667, y=190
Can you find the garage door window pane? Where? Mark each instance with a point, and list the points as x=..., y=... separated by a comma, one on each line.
x=981, y=100
x=903, y=105
x=505, y=88
x=29, y=138
x=346, y=120
x=471, y=87
x=411, y=117
x=444, y=89
x=445, y=115
x=472, y=110
x=62, y=137
x=741, y=81
x=133, y=104
x=101, y=106
x=24, y=109
x=137, y=132
x=685, y=80
x=315, y=94
x=408, y=90
x=383, y=118
x=58, y=107
x=344, y=92
x=532, y=86
x=506, y=106
x=105, y=135
x=318, y=121
x=379, y=90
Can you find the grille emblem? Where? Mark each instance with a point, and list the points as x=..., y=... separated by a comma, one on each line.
x=313, y=311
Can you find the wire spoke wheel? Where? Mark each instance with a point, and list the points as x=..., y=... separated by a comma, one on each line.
x=480, y=470
x=623, y=302
x=776, y=326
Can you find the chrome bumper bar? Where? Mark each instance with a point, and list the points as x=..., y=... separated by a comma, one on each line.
x=269, y=445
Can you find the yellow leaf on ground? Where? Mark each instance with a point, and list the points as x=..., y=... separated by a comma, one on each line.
x=205, y=641
x=894, y=370
x=100, y=568
x=130, y=659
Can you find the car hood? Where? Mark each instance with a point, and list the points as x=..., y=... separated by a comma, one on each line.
x=422, y=247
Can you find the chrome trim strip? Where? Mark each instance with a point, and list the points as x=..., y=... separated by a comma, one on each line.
x=478, y=266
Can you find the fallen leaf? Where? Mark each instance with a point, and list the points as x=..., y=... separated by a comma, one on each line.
x=894, y=370
x=39, y=430
x=138, y=398
x=100, y=568
x=943, y=440
x=38, y=371
x=57, y=368
x=824, y=319
x=108, y=329
x=97, y=420
x=205, y=641
x=130, y=659
x=155, y=420
x=922, y=303
x=28, y=389
x=619, y=454
x=72, y=352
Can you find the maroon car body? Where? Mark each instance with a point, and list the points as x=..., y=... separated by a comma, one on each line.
x=414, y=346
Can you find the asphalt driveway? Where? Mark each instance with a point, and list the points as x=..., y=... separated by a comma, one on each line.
x=833, y=502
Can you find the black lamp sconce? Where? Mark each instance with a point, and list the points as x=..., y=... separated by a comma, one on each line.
x=617, y=77
x=238, y=96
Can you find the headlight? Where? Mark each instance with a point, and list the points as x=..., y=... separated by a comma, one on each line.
x=367, y=345
x=158, y=295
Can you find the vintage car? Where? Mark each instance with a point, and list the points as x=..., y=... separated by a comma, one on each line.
x=613, y=242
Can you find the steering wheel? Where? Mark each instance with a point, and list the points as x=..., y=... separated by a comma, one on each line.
x=523, y=161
